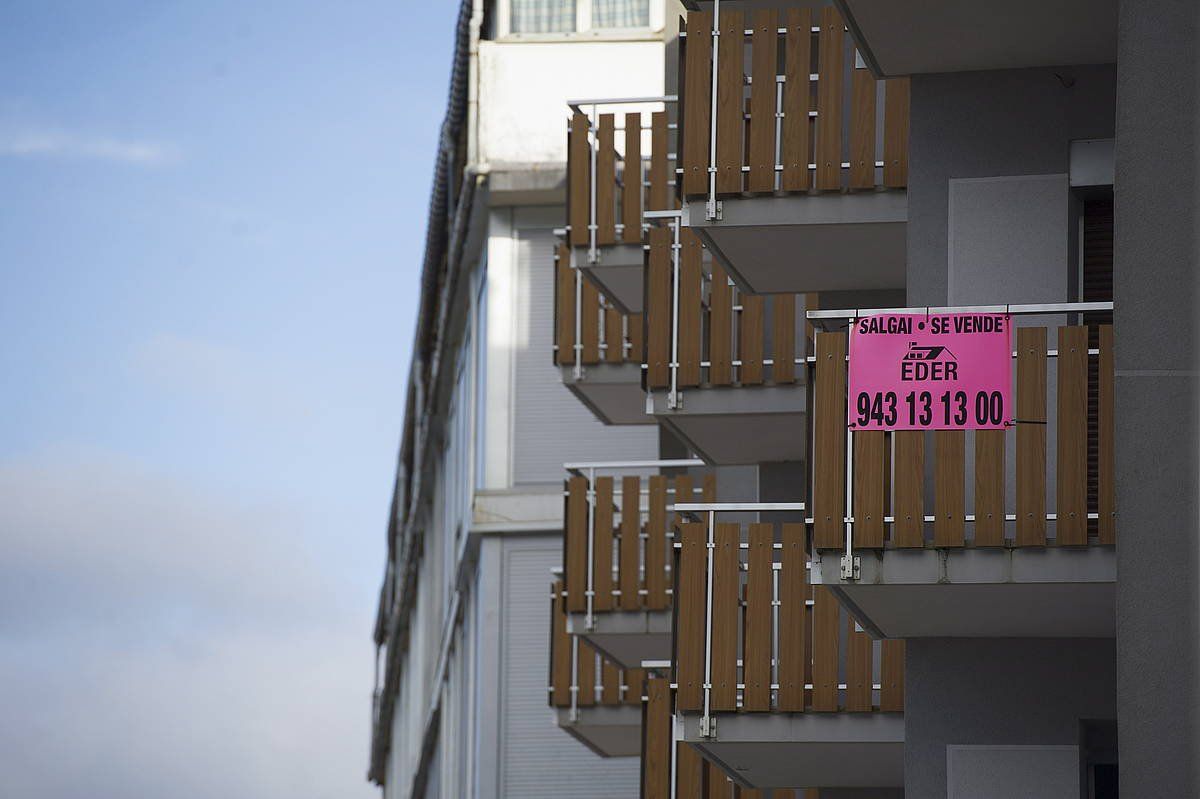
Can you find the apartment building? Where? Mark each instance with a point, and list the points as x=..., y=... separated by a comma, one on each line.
x=778, y=593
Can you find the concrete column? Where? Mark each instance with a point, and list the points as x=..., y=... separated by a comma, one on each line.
x=1155, y=281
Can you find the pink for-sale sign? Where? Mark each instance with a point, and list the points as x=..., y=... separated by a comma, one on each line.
x=930, y=372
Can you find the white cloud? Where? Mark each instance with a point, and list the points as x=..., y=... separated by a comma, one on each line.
x=47, y=142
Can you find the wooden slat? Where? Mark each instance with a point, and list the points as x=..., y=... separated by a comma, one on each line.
x=909, y=510
x=862, y=130
x=1031, y=436
x=750, y=340
x=1071, y=438
x=631, y=181
x=708, y=490
x=689, y=619
x=725, y=612
x=602, y=545
x=610, y=682
x=868, y=488
x=716, y=782
x=635, y=686
x=637, y=351
x=689, y=778
x=1106, y=447
x=720, y=329
x=697, y=88
x=689, y=310
x=793, y=580
x=949, y=479
x=560, y=651
x=589, y=323
x=606, y=180
x=585, y=674
x=658, y=309
x=858, y=669
x=576, y=545
x=830, y=80
x=891, y=670
x=762, y=102
x=657, y=199
x=825, y=650
x=895, y=132
x=989, y=488
x=656, y=740
x=614, y=350
x=756, y=659
x=829, y=478
x=629, y=559
x=797, y=89
x=579, y=167
x=656, y=545
x=565, y=302
x=730, y=102
x=783, y=338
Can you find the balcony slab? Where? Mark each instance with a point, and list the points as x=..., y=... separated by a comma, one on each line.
x=618, y=272
x=731, y=425
x=612, y=391
x=608, y=730
x=626, y=637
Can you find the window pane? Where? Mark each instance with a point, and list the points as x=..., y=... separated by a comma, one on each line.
x=542, y=16
x=620, y=13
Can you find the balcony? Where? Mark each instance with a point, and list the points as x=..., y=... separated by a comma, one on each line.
x=724, y=370
x=596, y=700
x=775, y=682
x=792, y=169
x=987, y=533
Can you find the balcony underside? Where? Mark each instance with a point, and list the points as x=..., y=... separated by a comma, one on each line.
x=739, y=425
x=612, y=391
x=962, y=35
x=626, y=637
x=608, y=730
x=618, y=273
x=805, y=243
x=827, y=750
x=980, y=593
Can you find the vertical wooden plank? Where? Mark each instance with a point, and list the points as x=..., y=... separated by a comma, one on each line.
x=1106, y=433
x=730, y=102
x=658, y=309
x=614, y=341
x=637, y=349
x=1031, y=436
x=720, y=328
x=895, y=133
x=697, y=88
x=689, y=617
x=825, y=650
x=689, y=310
x=635, y=686
x=858, y=669
x=989, y=488
x=783, y=338
x=565, y=311
x=716, y=782
x=585, y=674
x=949, y=479
x=631, y=181
x=689, y=778
x=656, y=740
x=708, y=489
x=868, y=488
x=793, y=578
x=909, y=511
x=631, y=543
x=829, y=445
x=756, y=659
x=660, y=180
x=750, y=340
x=610, y=682
x=589, y=323
x=797, y=89
x=891, y=670
x=830, y=79
x=1071, y=438
x=606, y=180
x=602, y=545
x=560, y=651
x=762, y=101
x=726, y=590
x=656, y=545
x=579, y=168
x=862, y=130
x=576, y=544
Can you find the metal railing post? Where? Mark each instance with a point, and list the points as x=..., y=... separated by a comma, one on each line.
x=707, y=726
x=711, y=210
x=577, y=369
x=594, y=139
x=849, y=564
x=574, y=714
x=591, y=537
x=673, y=401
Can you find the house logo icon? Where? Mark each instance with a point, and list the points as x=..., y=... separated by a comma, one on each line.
x=917, y=352
x=921, y=363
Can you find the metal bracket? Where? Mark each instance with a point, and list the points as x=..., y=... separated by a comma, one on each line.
x=708, y=727
x=850, y=567
x=675, y=400
x=713, y=210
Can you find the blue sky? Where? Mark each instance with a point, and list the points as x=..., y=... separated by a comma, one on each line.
x=211, y=227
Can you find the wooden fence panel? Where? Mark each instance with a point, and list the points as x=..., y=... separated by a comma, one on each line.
x=656, y=545
x=565, y=301
x=1106, y=446
x=631, y=181
x=829, y=100
x=762, y=101
x=657, y=199
x=589, y=323
x=783, y=338
x=614, y=339
x=602, y=545
x=797, y=89
x=606, y=180
x=726, y=591
x=895, y=132
x=868, y=488
x=630, y=547
x=579, y=168
x=697, y=88
x=949, y=481
x=793, y=581
x=720, y=328
x=829, y=441
x=637, y=350
x=689, y=310
x=908, y=529
x=689, y=626
x=610, y=682
x=756, y=659
x=989, y=488
x=891, y=668
x=635, y=686
x=560, y=651
x=1031, y=436
x=585, y=673
x=730, y=102
x=576, y=545
x=862, y=130
x=1071, y=440
x=658, y=309
x=751, y=340
x=689, y=778
x=859, y=663
x=656, y=740
x=826, y=613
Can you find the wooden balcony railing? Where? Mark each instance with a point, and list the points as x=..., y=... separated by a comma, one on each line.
x=588, y=329
x=579, y=675
x=701, y=330
x=616, y=546
x=882, y=477
x=753, y=636
x=790, y=124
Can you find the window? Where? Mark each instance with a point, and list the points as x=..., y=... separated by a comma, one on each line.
x=534, y=17
x=620, y=13
x=542, y=16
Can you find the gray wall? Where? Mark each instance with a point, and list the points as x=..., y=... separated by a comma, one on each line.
x=1155, y=274
x=1007, y=691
